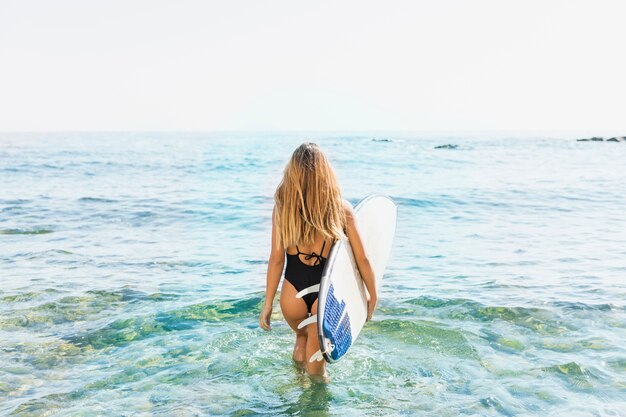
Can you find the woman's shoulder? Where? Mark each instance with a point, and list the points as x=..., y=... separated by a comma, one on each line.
x=347, y=208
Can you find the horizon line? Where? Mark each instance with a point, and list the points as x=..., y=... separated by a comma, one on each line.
x=324, y=131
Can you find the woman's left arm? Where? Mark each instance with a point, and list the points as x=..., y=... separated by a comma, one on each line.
x=274, y=271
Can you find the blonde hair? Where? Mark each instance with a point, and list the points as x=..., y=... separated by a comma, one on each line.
x=308, y=199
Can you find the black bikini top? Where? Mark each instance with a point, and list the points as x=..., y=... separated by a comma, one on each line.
x=308, y=256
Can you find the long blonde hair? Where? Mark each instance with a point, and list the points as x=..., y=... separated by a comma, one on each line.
x=308, y=199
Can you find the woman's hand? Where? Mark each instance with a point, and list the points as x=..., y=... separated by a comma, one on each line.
x=371, y=306
x=264, y=318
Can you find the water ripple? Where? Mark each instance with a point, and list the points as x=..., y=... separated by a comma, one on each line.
x=133, y=272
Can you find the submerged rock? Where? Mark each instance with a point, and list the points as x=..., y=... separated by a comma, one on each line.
x=447, y=146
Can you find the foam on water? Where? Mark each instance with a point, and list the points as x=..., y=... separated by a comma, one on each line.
x=133, y=269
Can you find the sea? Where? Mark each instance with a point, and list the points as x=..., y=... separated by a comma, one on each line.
x=133, y=269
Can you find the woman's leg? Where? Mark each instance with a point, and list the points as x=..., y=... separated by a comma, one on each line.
x=294, y=310
x=312, y=346
x=299, y=349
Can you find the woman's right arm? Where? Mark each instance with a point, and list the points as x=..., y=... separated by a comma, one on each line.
x=274, y=271
x=360, y=256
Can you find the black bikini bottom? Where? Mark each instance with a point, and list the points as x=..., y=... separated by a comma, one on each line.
x=301, y=284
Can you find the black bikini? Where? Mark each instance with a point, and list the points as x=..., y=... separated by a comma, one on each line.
x=303, y=276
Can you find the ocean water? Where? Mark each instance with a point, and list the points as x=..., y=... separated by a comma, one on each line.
x=132, y=272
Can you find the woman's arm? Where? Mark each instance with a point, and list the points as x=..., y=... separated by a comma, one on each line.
x=274, y=271
x=362, y=261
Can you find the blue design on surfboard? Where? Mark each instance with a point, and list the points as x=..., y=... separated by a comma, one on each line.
x=336, y=328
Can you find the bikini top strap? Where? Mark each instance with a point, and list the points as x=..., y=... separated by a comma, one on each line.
x=322, y=251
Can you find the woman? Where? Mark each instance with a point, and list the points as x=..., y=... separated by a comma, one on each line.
x=309, y=215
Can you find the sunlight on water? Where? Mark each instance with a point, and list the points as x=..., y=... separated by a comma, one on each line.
x=134, y=270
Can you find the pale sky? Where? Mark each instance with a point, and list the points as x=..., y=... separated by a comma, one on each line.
x=312, y=65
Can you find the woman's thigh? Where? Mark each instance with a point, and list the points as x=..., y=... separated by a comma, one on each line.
x=293, y=309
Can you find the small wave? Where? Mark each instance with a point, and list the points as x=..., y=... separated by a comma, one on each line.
x=434, y=302
x=96, y=200
x=16, y=298
x=570, y=305
x=16, y=201
x=73, y=308
x=618, y=365
x=575, y=374
x=143, y=214
x=25, y=231
x=537, y=319
x=130, y=295
x=500, y=342
x=492, y=402
x=42, y=254
x=191, y=264
x=429, y=336
x=125, y=331
x=414, y=202
x=594, y=343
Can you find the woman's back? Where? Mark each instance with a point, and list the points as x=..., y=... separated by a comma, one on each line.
x=308, y=208
x=304, y=269
x=319, y=247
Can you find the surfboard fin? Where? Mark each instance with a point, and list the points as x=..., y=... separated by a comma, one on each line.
x=308, y=290
x=307, y=321
x=319, y=355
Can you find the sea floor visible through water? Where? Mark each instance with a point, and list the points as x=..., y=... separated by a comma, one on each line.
x=133, y=273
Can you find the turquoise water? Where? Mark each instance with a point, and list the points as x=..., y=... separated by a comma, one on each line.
x=133, y=272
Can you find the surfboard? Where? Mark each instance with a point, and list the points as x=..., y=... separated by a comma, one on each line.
x=342, y=298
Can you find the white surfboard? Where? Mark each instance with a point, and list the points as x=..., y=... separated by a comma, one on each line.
x=342, y=299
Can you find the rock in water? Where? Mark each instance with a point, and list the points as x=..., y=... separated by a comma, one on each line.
x=447, y=146
x=601, y=139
